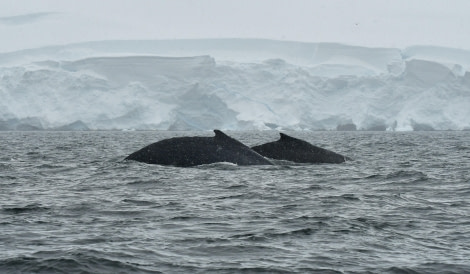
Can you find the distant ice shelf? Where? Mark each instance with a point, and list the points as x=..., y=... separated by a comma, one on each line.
x=237, y=84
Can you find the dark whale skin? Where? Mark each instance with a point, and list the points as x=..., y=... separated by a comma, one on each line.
x=194, y=151
x=299, y=151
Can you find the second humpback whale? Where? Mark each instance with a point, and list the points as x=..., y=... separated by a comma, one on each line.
x=193, y=151
x=298, y=151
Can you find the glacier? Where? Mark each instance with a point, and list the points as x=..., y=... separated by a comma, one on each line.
x=234, y=84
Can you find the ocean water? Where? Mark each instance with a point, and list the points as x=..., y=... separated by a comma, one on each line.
x=69, y=203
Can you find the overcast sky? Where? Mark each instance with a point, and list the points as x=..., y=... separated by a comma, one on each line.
x=383, y=23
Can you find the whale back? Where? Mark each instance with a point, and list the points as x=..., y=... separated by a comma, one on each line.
x=193, y=151
x=297, y=150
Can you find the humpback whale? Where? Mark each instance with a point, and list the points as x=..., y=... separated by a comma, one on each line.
x=298, y=151
x=193, y=151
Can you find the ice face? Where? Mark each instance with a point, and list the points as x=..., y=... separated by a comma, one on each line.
x=234, y=84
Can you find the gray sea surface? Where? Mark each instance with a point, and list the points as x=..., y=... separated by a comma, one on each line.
x=69, y=203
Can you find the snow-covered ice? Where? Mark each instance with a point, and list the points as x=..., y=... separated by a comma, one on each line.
x=234, y=84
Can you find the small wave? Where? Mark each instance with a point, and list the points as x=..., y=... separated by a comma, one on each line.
x=400, y=176
x=252, y=237
x=57, y=262
x=315, y=187
x=8, y=177
x=350, y=197
x=187, y=218
x=235, y=249
x=6, y=158
x=407, y=144
x=203, y=240
x=34, y=155
x=5, y=166
x=316, y=219
x=236, y=186
x=429, y=268
x=89, y=241
x=143, y=182
x=65, y=147
x=411, y=175
x=371, y=223
x=297, y=232
x=267, y=269
x=138, y=202
x=234, y=196
x=372, y=176
x=24, y=209
x=341, y=198
x=220, y=166
x=280, y=167
x=52, y=166
x=404, y=174
x=286, y=163
x=266, y=236
x=462, y=147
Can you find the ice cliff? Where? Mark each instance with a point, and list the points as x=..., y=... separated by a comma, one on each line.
x=234, y=84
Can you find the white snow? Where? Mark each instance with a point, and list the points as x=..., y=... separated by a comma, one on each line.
x=234, y=84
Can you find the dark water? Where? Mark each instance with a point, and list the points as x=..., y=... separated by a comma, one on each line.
x=69, y=204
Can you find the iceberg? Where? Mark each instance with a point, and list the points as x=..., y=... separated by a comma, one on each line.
x=234, y=84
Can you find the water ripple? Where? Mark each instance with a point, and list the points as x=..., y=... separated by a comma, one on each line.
x=71, y=204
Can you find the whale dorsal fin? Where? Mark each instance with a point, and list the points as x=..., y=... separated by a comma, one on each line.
x=222, y=137
x=285, y=137
x=220, y=134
